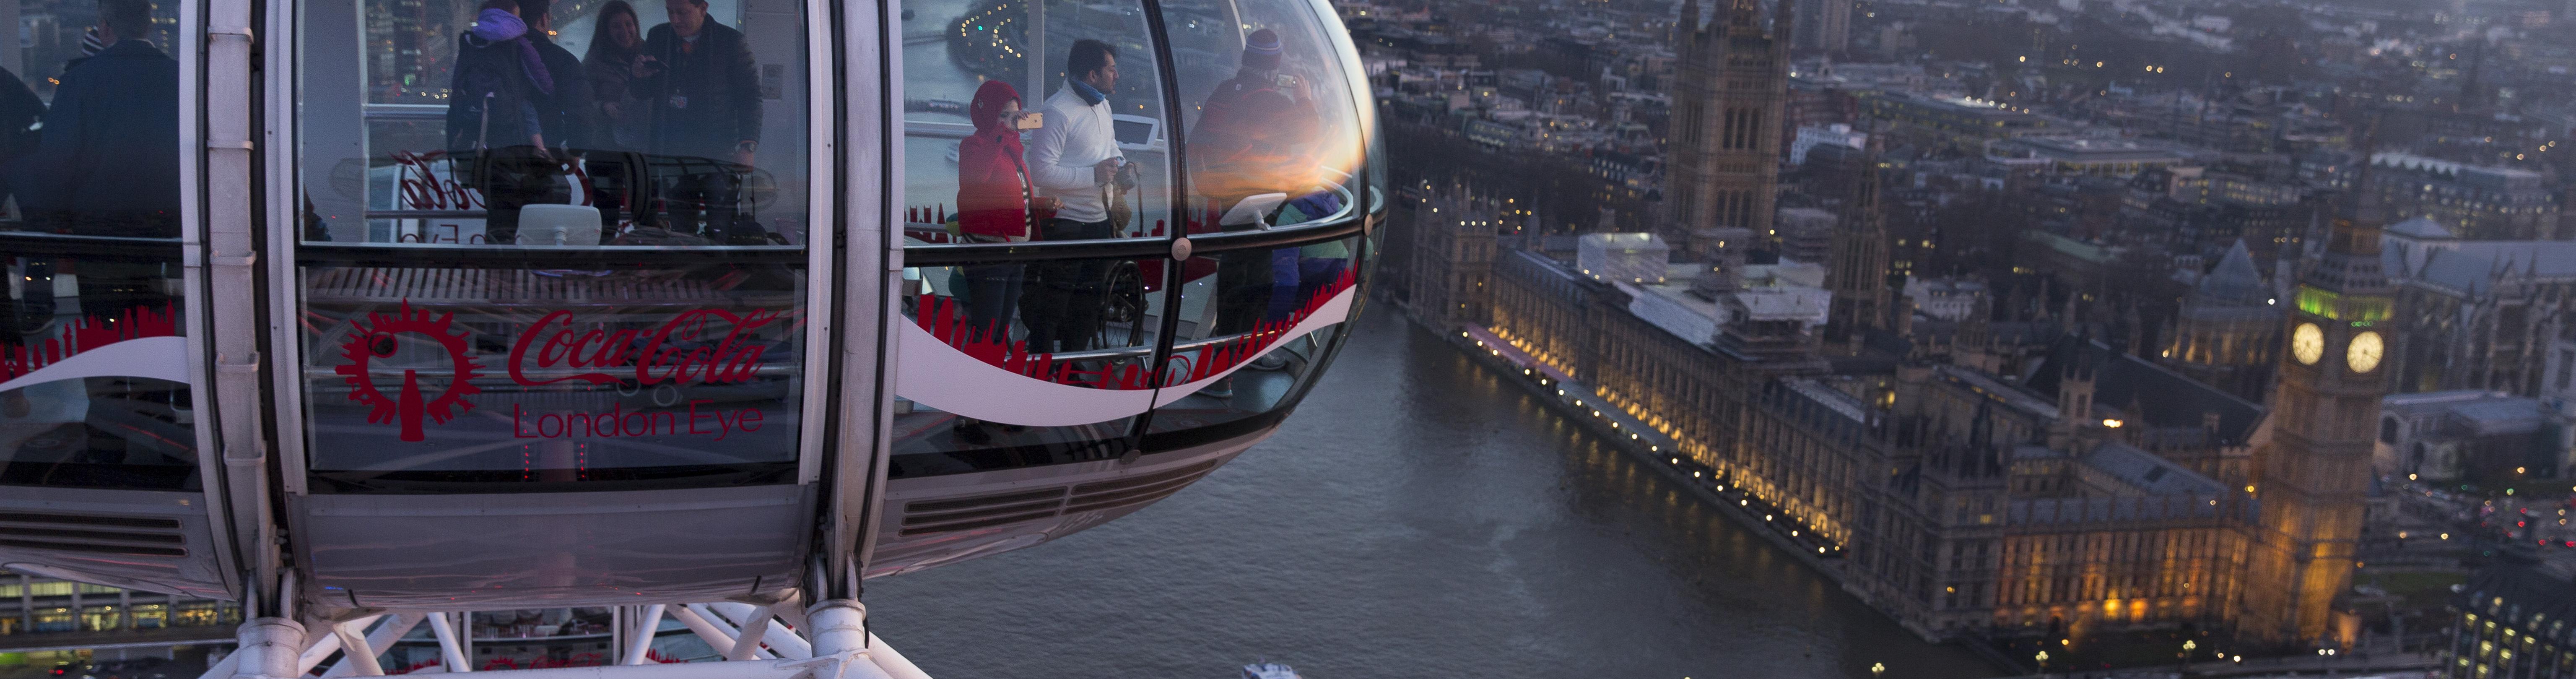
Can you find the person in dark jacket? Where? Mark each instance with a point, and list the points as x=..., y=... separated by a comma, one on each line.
x=496, y=118
x=566, y=118
x=617, y=170
x=104, y=163
x=699, y=77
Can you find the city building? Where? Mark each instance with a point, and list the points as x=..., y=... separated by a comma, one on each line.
x=1806, y=234
x=2513, y=619
x=2315, y=470
x=1451, y=244
x=2088, y=156
x=2228, y=331
x=2479, y=437
x=2476, y=314
x=1953, y=122
x=1722, y=160
x=1824, y=25
x=2476, y=202
x=1812, y=136
x=45, y=621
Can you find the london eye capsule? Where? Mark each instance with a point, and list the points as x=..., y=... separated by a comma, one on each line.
x=377, y=311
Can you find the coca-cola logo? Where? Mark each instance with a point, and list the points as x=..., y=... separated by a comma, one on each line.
x=682, y=350
x=697, y=347
x=377, y=337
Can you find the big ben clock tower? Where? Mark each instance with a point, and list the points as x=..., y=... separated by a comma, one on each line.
x=2312, y=477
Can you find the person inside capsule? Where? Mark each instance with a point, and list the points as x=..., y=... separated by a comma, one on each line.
x=1074, y=158
x=99, y=169
x=1254, y=156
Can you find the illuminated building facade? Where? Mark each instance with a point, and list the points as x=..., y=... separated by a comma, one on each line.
x=2229, y=331
x=2514, y=621
x=2316, y=469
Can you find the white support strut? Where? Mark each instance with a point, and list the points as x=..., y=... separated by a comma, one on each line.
x=835, y=644
x=451, y=653
x=643, y=636
x=377, y=642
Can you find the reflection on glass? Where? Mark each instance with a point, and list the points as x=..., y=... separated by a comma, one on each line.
x=1274, y=137
x=1052, y=369
x=1277, y=310
x=1092, y=162
x=555, y=122
x=93, y=375
x=491, y=380
x=94, y=386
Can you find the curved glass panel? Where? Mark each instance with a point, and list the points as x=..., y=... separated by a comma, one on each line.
x=1003, y=144
x=1009, y=364
x=507, y=378
x=1275, y=312
x=1274, y=132
x=600, y=123
x=94, y=381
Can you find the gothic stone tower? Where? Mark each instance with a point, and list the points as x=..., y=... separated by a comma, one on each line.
x=2313, y=475
x=1858, y=274
x=1732, y=79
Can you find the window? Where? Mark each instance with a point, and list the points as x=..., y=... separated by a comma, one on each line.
x=677, y=123
x=94, y=381
x=1003, y=144
x=1023, y=358
x=553, y=242
x=2388, y=430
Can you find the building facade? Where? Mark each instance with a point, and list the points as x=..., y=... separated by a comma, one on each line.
x=2228, y=333
x=1730, y=83
x=2315, y=471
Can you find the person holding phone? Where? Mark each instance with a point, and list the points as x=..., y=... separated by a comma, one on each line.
x=993, y=201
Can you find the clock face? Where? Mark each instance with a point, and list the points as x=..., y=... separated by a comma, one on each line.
x=2308, y=343
x=2363, y=355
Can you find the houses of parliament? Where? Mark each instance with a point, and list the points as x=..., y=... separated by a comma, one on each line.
x=2015, y=473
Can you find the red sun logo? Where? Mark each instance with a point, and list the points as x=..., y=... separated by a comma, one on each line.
x=375, y=338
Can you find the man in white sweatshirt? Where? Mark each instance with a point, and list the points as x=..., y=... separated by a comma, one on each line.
x=1074, y=157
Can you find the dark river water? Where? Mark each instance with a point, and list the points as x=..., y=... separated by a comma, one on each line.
x=1415, y=518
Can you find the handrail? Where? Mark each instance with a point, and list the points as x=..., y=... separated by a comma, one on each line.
x=441, y=255
x=1128, y=248
x=35, y=243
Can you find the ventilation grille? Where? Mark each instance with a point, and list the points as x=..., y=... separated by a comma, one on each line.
x=1133, y=491
x=93, y=533
x=940, y=516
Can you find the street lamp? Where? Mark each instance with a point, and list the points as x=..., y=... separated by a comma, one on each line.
x=1876, y=669
x=2043, y=663
x=2187, y=646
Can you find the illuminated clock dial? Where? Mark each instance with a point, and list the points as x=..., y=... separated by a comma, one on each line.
x=2308, y=343
x=2363, y=355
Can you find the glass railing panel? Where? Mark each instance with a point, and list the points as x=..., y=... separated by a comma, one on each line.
x=1009, y=363
x=94, y=379
x=1263, y=321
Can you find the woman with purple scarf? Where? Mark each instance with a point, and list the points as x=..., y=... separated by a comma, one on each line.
x=495, y=135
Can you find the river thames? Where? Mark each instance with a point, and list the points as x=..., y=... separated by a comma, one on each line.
x=1417, y=517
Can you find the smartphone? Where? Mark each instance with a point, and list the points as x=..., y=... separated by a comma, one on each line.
x=1029, y=120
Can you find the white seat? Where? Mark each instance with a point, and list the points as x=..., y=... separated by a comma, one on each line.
x=550, y=224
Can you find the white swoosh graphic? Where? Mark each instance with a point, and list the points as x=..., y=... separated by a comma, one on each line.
x=160, y=358
x=931, y=373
